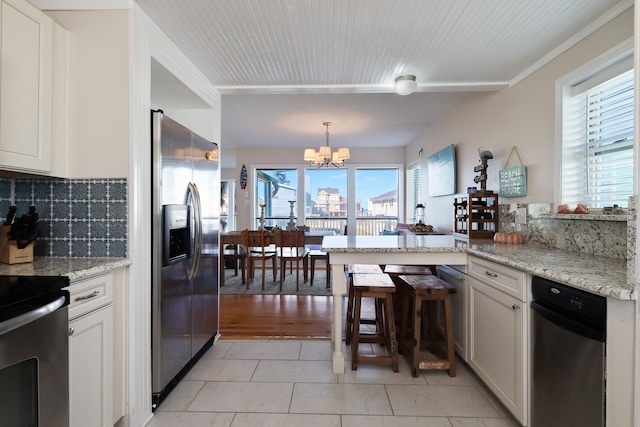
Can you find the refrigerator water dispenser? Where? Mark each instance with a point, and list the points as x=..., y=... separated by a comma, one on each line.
x=177, y=234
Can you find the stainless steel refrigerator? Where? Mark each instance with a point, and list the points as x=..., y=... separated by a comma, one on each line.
x=185, y=231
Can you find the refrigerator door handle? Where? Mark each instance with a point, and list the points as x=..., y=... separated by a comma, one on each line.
x=197, y=208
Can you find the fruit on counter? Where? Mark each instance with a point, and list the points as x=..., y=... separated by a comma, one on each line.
x=511, y=238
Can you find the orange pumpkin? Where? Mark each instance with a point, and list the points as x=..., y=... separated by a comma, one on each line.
x=509, y=238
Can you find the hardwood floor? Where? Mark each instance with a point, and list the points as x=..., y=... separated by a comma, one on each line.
x=275, y=317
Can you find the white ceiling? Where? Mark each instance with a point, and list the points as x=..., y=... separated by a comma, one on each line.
x=286, y=66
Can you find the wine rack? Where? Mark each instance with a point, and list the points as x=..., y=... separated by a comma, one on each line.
x=475, y=215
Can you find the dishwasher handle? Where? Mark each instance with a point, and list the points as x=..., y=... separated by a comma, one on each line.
x=569, y=324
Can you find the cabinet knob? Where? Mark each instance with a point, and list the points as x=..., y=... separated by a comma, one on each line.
x=515, y=306
x=71, y=331
x=461, y=278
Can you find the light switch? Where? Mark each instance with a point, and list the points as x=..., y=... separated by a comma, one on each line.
x=246, y=194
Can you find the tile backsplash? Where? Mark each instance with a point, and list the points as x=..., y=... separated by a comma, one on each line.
x=78, y=217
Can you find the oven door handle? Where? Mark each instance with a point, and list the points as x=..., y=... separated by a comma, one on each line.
x=31, y=316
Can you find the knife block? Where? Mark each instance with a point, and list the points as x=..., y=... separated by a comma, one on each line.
x=9, y=252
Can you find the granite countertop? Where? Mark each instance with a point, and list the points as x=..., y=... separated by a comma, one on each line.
x=414, y=243
x=597, y=274
x=600, y=275
x=75, y=268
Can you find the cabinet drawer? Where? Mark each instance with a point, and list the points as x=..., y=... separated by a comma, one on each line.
x=90, y=294
x=510, y=281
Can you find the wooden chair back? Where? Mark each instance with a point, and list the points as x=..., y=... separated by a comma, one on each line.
x=290, y=242
x=257, y=244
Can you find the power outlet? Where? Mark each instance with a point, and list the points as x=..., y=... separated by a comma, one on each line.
x=521, y=216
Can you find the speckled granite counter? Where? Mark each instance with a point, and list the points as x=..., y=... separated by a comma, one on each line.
x=74, y=268
x=601, y=275
x=604, y=276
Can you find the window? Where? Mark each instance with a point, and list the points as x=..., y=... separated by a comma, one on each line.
x=367, y=200
x=274, y=189
x=326, y=199
x=414, y=189
x=597, y=138
x=376, y=200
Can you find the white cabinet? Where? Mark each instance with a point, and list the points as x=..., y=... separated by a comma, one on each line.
x=91, y=352
x=455, y=275
x=27, y=70
x=497, y=335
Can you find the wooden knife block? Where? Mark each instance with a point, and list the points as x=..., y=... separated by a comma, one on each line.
x=9, y=252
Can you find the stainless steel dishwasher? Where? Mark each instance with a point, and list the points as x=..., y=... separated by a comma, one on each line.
x=568, y=356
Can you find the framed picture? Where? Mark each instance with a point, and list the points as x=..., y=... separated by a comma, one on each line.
x=441, y=170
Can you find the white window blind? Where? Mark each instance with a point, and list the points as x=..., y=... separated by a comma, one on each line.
x=597, y=148
x=414, y=189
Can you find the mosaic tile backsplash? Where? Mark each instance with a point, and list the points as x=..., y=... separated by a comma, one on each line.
x=78, y=217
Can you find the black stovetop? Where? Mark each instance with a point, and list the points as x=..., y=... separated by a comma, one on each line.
x=20, y=290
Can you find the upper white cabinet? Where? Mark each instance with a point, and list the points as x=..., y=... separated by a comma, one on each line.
x=27, y=87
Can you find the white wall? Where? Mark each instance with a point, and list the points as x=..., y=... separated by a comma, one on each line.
x=521, y=116
x=98, y=92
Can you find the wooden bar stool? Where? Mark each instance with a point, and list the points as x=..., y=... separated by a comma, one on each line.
x=429, y=288
x=359, y=269
x=380, y=287
x=395, y=270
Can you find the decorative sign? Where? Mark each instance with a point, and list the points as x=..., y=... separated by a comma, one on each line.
x=243, y=177
x=513, y=182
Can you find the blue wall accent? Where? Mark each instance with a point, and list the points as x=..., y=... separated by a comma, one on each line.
x=78, y=217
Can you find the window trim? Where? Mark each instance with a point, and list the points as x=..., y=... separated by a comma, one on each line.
x=563, y=87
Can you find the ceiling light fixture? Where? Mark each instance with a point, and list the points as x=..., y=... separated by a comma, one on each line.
x=324, y=156
x=405, y=84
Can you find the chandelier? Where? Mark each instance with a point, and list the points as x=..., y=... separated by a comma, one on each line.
x=324, y=156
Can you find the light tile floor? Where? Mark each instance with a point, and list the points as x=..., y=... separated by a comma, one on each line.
x=290, y=383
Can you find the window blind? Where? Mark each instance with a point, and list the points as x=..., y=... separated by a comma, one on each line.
x=414, y=189
x=597, y=150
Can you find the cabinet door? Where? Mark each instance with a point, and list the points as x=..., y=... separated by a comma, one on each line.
x=458, y=308
x=91, y=369
x=25, y=87
x=496, y=348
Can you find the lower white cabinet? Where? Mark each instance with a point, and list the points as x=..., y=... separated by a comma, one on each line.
x=91, y=352
x=498, y=341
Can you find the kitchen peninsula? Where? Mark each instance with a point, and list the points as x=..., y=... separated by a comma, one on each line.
x=604, y=276
x=596, y=274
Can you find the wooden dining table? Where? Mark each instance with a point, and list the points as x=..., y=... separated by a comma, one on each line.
x=311, y=238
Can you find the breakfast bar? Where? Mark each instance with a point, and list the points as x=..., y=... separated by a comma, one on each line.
x=401, y=249
x=596, y=274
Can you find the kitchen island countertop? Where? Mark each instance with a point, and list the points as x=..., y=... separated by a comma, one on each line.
x=73, y=267
x=597, y=274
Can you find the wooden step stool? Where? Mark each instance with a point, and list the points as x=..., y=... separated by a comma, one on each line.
x=360, y=269
x=429, y=288
x=380, y=287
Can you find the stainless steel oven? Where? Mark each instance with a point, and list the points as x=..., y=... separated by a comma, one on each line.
x=34, y=351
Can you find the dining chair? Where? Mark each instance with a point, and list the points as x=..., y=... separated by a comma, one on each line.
x=235, y=253
x=257, y=244
x=290, y=247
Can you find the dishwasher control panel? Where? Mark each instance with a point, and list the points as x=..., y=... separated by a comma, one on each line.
x=581, y=305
